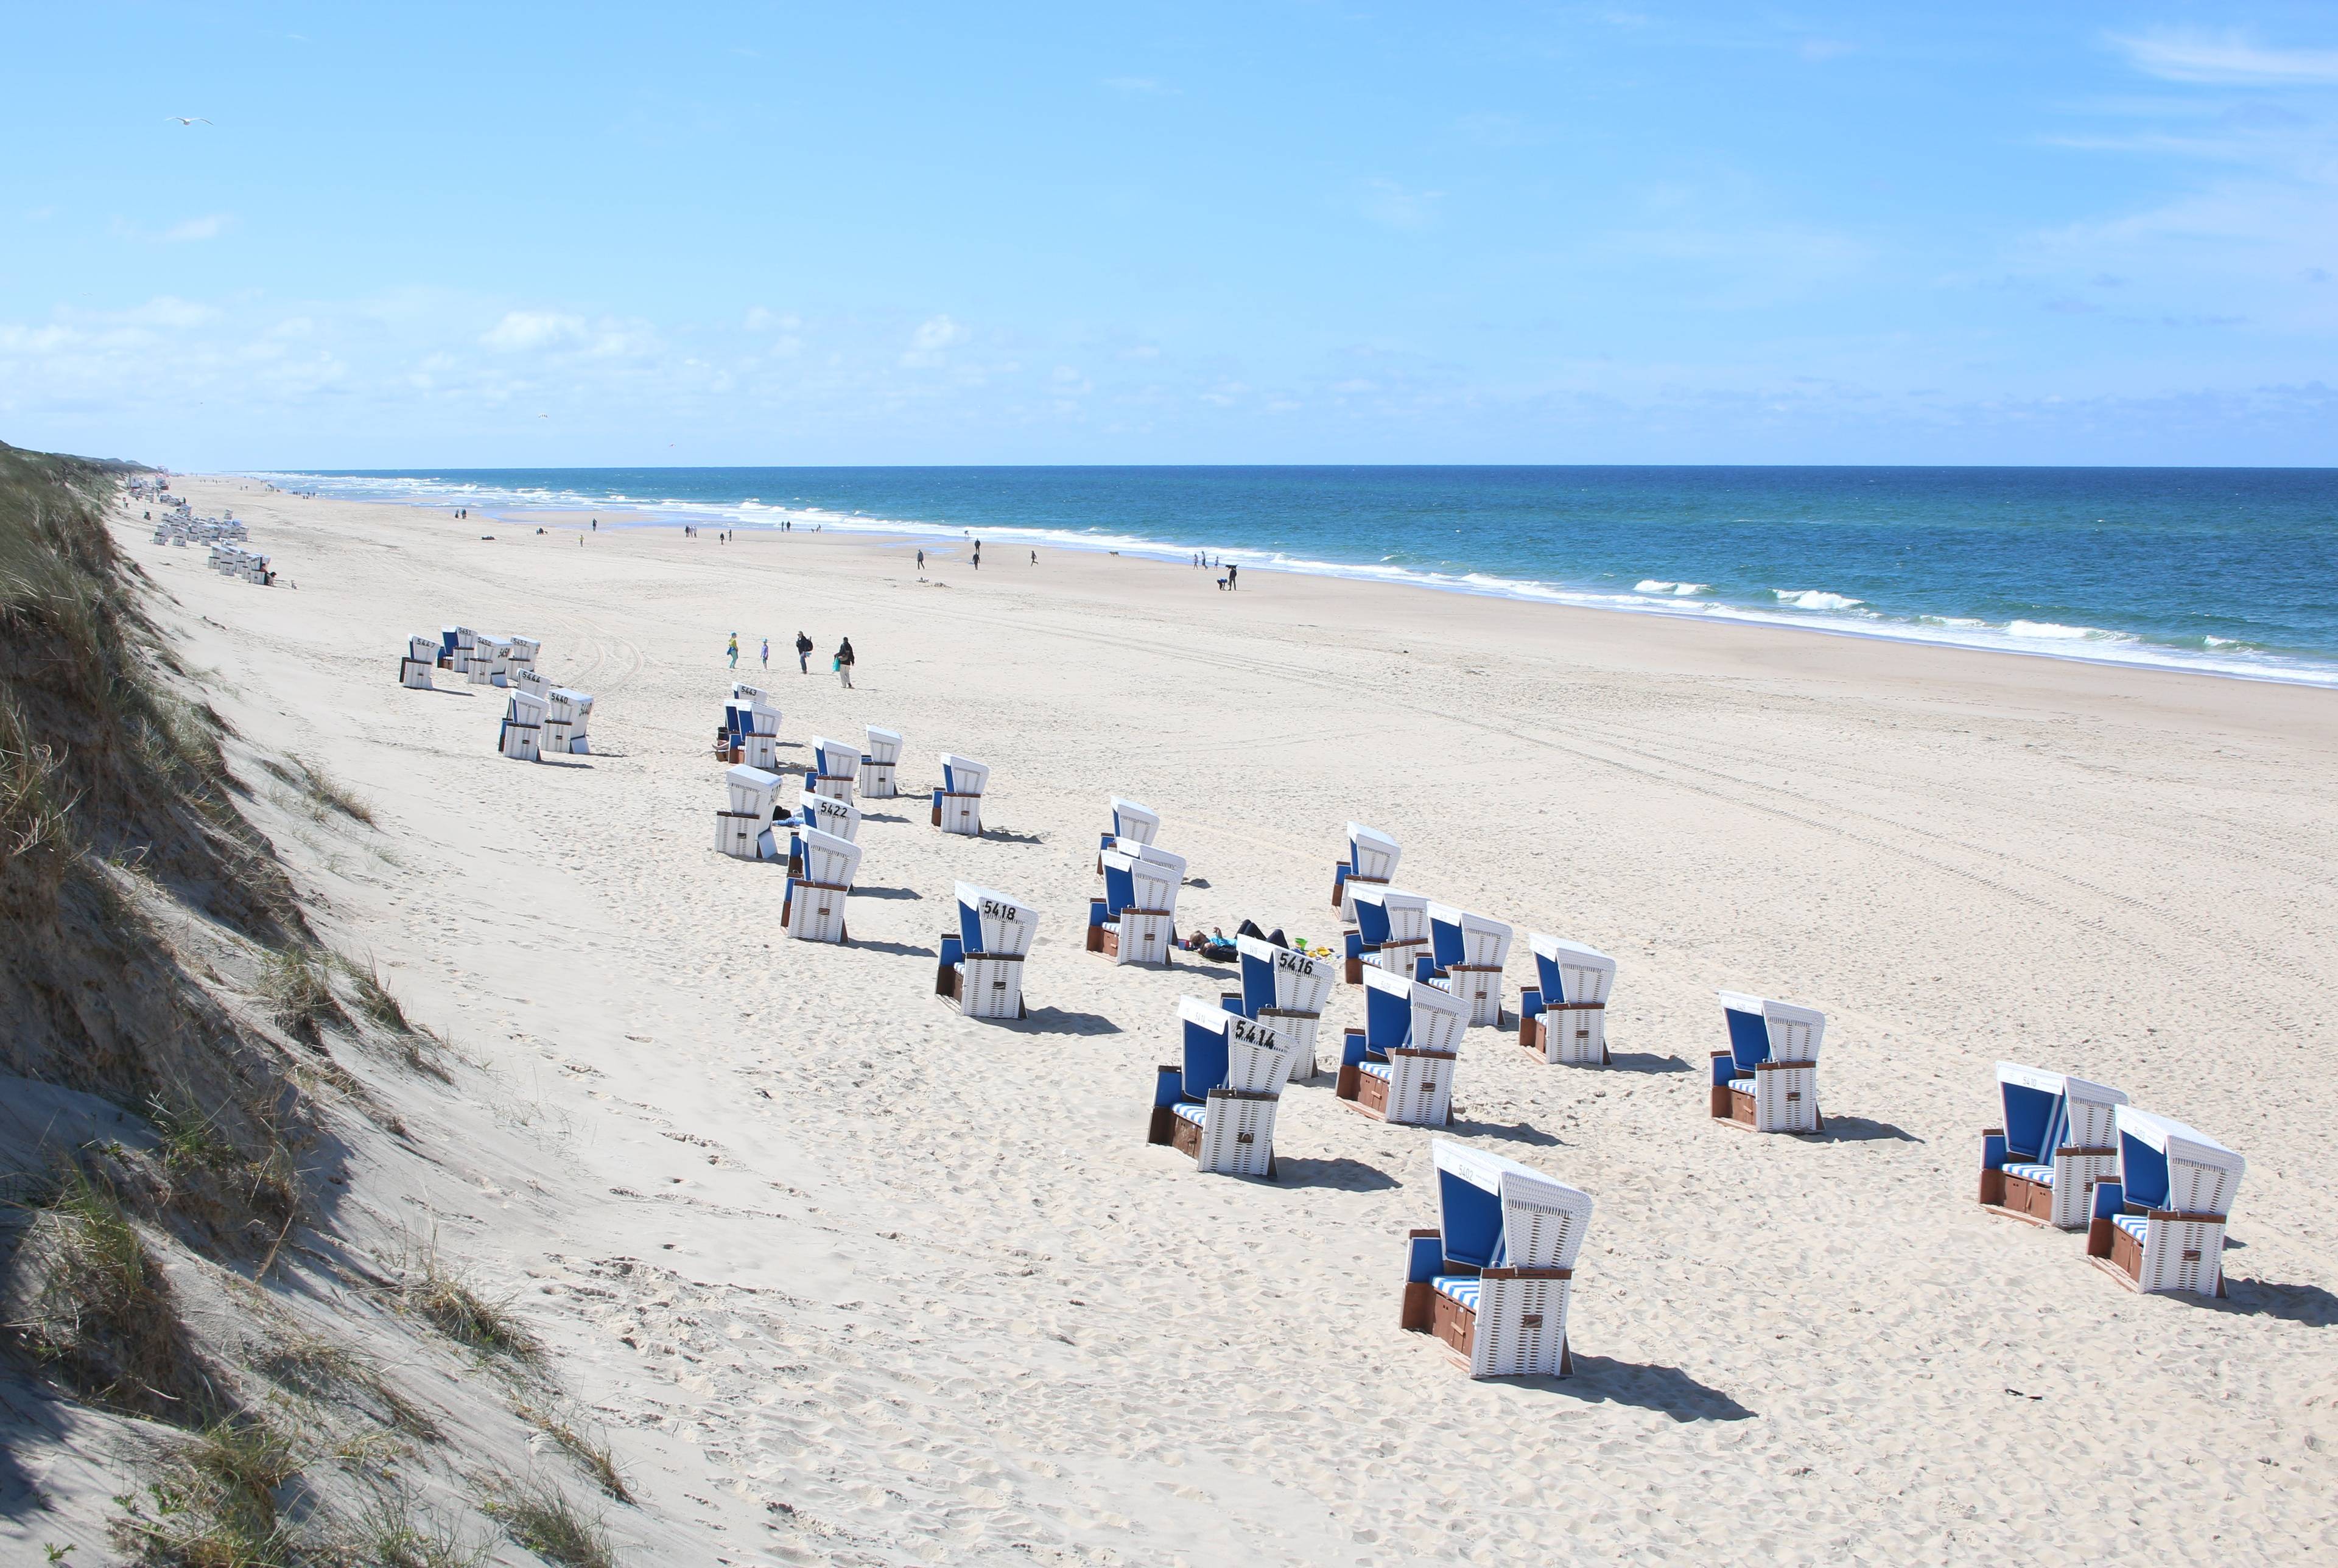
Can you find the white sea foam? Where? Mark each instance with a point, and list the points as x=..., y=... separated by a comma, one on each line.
x=1815, y=598
x=1678, y=590
x=2059, y=632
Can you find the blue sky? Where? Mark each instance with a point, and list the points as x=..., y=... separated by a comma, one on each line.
x=513, y=235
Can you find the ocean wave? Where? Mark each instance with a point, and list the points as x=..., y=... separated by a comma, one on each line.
x=1815, y=598
x=1803, y=608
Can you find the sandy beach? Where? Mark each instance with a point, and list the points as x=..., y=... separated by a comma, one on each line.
x=852, y=1279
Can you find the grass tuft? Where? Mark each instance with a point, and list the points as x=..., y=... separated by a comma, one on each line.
x=538, y=1516
x=299, y=991
x=394, y=1532
x=316, y=1366
x=590, y=1450
x=445, y=1297
x=374, y=998
x=215, y=1505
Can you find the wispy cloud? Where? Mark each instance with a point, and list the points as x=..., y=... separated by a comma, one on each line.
x=1394, y=206
x=209, y=226
x=525, y=329
x=2229, y=59
x=932, y=340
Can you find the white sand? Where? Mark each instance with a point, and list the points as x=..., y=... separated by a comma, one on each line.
x=856, y=1279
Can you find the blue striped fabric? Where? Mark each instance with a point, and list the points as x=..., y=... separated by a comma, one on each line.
x=1462, y=1287
x=1377, y=1069
x=1190, y=1112
x=1742, y=1086
x=2135, y=1225
x=2041, y=1174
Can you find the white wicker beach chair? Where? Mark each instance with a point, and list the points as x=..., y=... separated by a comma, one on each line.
x=1372, y=861
x=1218, y=1105
x=1136, y=921
x=1391, y=932
x=1286, y=989
x=743, y=831
x=835, y=769
x=523, y=653
x=1493, y=1281
x=981, y=964
x=2058, y=1137
x=957, y=803
x=522, y=736
x=421, y=658
x=1564, y=1019
x=881, y=756
x=813, y=908
x=2160, y=1224
x=1467, y=954
x=532, y=680
x=1399, y=1067
x=566, y=715
x=1137, y=824
x=1768, y=1078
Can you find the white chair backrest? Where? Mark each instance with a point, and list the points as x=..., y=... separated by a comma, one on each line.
x=1136, y=823
x=2201, y=1174
x=422, y=648
x=1301, y=983
x=1543, y=1220
x=1406, y=913
x=1484, y=941
x=1585, y=974
x=2090, y=1113
x=526, y=708
x=752, y=790
x=1157, y=873
x=830, y=815
x=964, y=775
x=1257, y=1061
x=1439, y=1018
x=828, y=858
x=1372, y=852
x=884, y=745
x=834, y=758
x=1007, y=926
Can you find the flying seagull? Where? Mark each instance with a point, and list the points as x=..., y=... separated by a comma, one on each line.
x=185, y=120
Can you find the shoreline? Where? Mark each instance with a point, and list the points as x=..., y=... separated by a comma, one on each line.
x=2134, y=651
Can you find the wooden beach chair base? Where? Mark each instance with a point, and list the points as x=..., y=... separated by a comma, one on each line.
x=2192, y=1250
x=1573, y=1042
x=1538, y=1296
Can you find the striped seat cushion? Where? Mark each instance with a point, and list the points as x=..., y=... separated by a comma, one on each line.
x=1462, y=1287
x=1377, y=1069
x=2041, y=1174
x=1742, y=1086
x=1190, y=1112
x=2135, y=1225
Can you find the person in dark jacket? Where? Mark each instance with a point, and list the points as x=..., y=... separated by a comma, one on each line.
x=844, y=663
x=803, y=652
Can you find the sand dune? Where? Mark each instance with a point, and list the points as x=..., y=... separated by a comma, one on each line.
x=859, y=1280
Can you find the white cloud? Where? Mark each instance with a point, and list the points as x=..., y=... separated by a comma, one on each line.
x=2227, y=58
x=934, y=335
x=209, y=226
x=522, y=329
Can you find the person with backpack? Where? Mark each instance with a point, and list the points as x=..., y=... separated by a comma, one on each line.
x=804, y=653
x=844, y=663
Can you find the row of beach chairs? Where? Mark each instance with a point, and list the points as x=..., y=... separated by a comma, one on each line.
x=231, y=560
x=2151, y=1193
x=182, y=528
x=539, y=719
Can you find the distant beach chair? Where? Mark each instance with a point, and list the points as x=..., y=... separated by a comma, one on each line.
x=836, y=769
x=981, y=964
x=531, y=681
x=1768, y=1078
x=1399, y=1067
x=2059, y=1136
x=1372, y=861
x=567, y=716
x=957, y=803
x=523, y=653
x=825, y=814
x=1391, y=932
x=1466, y=955
x=1284, y=989
x=1492, y=1282
x=1564, y=1019
x=750, y=730
x=1137, y=824
x=2160, y=1224
x=479, y=660
x=813, y=909
x=522, y=736
x=1218, y=1105
x=452, y=648
x=877, y=761
x=421, y=658
x=1136, y=921
x=743, y=831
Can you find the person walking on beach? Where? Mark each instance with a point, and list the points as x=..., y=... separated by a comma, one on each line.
x=767, y=654
x=921, y=559
x=1232, y=573
x=844, y=663
x=804, y=653
x=734, y=650
x=1035, y=558
x=977, y=557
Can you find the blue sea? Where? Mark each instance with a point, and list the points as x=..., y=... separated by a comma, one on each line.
x=2226, y=571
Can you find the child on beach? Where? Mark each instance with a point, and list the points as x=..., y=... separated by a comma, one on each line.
x=734, y=650
x=767, y=652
